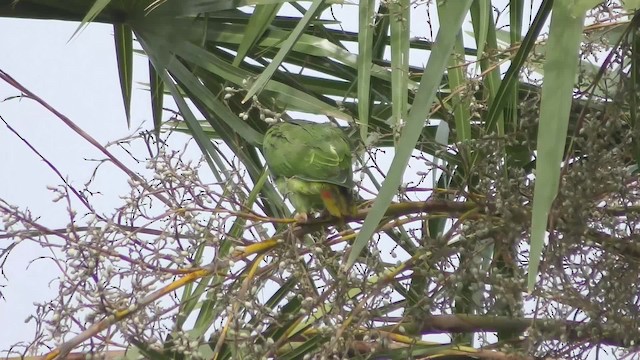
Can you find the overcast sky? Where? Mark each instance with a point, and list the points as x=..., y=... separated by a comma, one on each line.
x=79, y=78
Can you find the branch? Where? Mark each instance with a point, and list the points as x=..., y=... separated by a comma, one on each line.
x=564, y=330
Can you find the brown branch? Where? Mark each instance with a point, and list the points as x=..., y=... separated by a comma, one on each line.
x=452, y=209
x=569, y=331
x=105, y=355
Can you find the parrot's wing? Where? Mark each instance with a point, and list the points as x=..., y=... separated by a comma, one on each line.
x=309, y=151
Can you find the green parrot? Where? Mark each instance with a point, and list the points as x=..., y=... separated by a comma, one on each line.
x=311, y=164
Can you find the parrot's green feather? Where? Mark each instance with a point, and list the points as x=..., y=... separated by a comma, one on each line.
x=303, y=195
x=309, y=151
x=311, y=163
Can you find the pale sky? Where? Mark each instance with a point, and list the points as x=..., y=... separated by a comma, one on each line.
x=78, y=77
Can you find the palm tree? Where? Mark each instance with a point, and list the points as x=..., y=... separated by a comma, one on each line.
x=506, y=165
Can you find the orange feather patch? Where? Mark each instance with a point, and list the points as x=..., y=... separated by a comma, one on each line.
x=326, y=194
